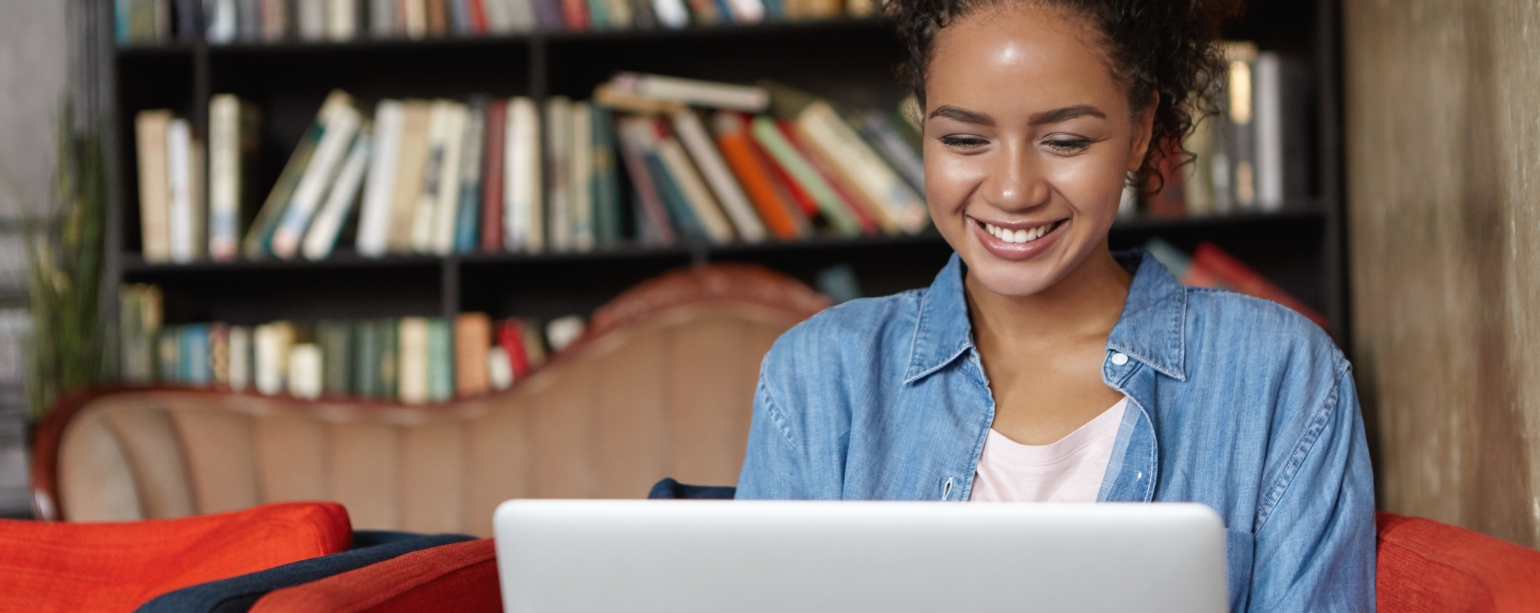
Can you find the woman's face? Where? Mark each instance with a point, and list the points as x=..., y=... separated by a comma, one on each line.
x=1029, y=139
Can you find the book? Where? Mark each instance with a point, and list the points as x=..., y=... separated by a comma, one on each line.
x=459, y=17
x=241, y=358
x=322, y=235
x=221, y=16
x=342, y=122
x=713, y=168
x=441, y=366
x=1268, y=107
x=1241, y=130
x=499, y=369
x=375, y=210
x=641, y=134
x=363, y=359
x=258, y=238
x=774, y=207
x=510, y=338
x=341, y=20
x=769, y=135
x=306, y=361
x=472, y=342
x=140, y=322
x=271, y=344
x=696, y=195
x=478, y=16
x=150, y=132
x=521, y=14
x=644, y=16
x=620, y=13
x=183, y=210
x=382, y=19
x=580, y=204
x=1198, y=176
x=275, y=20
x=745, y=98
x=494, y=169
x=524, y=210
x=388, y=337
x=598, y=15
x=574, y=14
x=845, y=195
x=167, y=348
x=561, y=332
x=334, y=338
x=414, y=18
x=548, y=15
x=748, y=11
x=876, y=185
x=880, y=130
x=652, y=222
x=605, y=182
x=249, y=20
x=411, y=173
x=433, y=221
x=413, y=355
x=438, y=17
x=473, y=145
x=219, y=355
x=234, y=129
x=558, y=162
x=611, y=97
x=310, y=16
x=706, y=12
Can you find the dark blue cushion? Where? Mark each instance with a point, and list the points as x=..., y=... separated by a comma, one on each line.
x=238, y=594
x=669, y=488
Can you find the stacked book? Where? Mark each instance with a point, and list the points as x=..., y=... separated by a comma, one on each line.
x=1245, y=160
x=230, y=21
x=412, y=360
x=700, y=162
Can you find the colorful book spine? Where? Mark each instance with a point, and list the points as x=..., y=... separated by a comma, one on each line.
x=441, y=361
x=770, y=136
x=605, y=185
x=493, y=171
x=473, y=148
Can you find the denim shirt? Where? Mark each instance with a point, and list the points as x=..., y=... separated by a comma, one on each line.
x=1234, y=402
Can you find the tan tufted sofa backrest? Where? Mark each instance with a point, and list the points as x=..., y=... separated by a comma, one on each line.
x=661, y=387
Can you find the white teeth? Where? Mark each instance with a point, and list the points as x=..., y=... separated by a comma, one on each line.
x=1017, y=236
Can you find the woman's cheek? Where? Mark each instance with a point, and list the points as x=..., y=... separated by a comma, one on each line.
x=1092, y=185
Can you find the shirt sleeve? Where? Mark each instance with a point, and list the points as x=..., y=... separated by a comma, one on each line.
x=1315, y=546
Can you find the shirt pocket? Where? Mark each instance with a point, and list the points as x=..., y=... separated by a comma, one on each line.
x=1240, y=551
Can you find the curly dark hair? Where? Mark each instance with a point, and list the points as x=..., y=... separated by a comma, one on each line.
x=1156, y=46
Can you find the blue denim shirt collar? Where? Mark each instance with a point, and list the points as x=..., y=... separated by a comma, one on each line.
x=1149, y=330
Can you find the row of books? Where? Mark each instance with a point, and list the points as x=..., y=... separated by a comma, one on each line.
x=503, y=175
x=1245, y=160
x=1210, y=266
x=412, y=360
x=231, y=21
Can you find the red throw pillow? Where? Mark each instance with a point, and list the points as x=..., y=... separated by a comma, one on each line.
x=461, y=577
x=1427, y=567
x=117, y=566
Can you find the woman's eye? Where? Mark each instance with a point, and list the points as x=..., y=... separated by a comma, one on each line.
x=1068, y=145
x=964, y=143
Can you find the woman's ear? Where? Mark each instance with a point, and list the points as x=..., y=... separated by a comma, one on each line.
x=1144, y=127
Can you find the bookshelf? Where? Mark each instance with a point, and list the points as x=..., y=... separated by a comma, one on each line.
x=848, y=60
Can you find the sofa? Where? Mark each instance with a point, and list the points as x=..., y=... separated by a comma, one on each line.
x=661, y=385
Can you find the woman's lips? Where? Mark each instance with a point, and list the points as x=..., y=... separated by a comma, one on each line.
x=1017, y=251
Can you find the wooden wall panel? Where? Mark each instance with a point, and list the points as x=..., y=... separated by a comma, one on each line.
x=1443, y=150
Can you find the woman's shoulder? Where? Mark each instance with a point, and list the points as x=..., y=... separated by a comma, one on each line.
x=864, y=331
x=1231, y=326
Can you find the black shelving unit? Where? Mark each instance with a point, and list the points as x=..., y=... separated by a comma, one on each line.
x=848, y=60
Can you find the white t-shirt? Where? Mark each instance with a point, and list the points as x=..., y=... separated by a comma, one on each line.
x=1069, y=470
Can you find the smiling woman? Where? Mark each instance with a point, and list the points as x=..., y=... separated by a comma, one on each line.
x=1040, y=366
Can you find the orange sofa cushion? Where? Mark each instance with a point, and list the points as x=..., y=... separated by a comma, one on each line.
x=55, y=566
x=461, y=577
x=1427, y=567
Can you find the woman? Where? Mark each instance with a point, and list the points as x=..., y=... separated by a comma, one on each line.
x=1039, y=366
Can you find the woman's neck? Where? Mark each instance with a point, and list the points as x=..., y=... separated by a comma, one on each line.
x=1084, y=305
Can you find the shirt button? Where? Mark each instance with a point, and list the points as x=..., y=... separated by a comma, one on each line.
x=1119, y=359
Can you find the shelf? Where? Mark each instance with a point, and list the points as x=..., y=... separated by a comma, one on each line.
x=764, y=29
x=349, y=260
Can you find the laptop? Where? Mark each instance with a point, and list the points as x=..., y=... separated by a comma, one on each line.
x=700, y=556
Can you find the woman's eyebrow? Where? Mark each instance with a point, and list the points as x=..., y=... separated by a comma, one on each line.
x=963, y=115
x=1065, y=114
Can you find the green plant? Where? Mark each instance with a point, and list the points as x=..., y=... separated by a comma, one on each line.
x=64, y=246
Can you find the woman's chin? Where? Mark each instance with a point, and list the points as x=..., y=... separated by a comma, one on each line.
x=1009, y=279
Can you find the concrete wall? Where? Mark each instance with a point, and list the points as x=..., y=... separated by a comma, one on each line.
x=34, y=72
x=1443, y=149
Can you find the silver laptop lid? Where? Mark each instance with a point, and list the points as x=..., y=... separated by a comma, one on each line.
x=695, y=556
